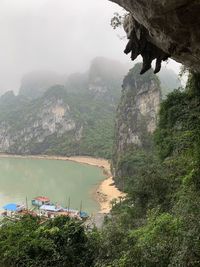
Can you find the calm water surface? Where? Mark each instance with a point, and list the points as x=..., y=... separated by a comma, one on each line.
x=57, y=179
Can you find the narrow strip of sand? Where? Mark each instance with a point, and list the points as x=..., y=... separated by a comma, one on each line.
x=105, y=192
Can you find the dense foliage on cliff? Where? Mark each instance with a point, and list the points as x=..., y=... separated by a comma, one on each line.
x=135, y=121
x=158, y=223
x=72, y=119
x=92, y=119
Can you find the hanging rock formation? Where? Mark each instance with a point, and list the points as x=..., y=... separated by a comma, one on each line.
x=171, y=26
x=140, y=44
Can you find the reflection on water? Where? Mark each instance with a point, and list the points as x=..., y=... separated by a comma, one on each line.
x=59, y=180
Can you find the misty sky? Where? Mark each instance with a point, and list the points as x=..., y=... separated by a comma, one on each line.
x=56, y=35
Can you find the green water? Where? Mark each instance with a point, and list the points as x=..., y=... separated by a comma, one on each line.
x=59, y=180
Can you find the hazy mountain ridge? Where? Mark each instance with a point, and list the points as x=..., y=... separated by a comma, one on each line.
x=35, y=84
x=77, y=118
x=71, y=119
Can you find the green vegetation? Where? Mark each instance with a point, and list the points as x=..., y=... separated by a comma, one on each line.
x=158, y=223
x=134, y=119
x=87, y=127
x=59, y=242
x=169, y=81
x=90, y=100
x=96, y=116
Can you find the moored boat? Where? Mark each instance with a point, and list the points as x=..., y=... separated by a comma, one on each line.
x=12, y=208
x=83, y=215
x=40, y=201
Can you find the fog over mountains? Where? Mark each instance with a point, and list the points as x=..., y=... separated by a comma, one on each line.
x=60, y=36
x=55, y=36
x=73, y=115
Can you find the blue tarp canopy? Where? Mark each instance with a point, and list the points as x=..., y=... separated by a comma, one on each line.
x=11, y=207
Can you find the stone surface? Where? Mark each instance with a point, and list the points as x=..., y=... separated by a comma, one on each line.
x=74, y=119
x=137, y=111
x=172, y=24
x=53, y=117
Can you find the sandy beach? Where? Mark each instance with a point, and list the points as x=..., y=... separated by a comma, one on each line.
x=105, y=192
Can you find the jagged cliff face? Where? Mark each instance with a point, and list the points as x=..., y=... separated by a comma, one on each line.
x=78, y=119
x=137, y=113
x=173, y=26
x=74, y=119
x=52, y=116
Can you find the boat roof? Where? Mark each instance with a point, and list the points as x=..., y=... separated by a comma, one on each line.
x=13, y=207
x=50, y=208
x=41, y=198
x=84, y=214
x=71, y=210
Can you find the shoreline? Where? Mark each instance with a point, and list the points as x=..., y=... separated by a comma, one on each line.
x=104, y=193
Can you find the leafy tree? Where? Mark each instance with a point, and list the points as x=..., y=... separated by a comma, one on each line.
x=57, y=242
x=158, y=223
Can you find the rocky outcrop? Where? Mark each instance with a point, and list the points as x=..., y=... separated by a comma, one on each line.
x=105, y=76
x=52, y=117
x=137, y=113
x=74, y=119
x=173, y=26
x=78, y=118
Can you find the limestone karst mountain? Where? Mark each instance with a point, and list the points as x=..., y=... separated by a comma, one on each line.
x=69, y=119
x=76, y=118
x=137, y=115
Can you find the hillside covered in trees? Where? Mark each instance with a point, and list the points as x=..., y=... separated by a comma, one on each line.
x=74, y=118
x=158, y=223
